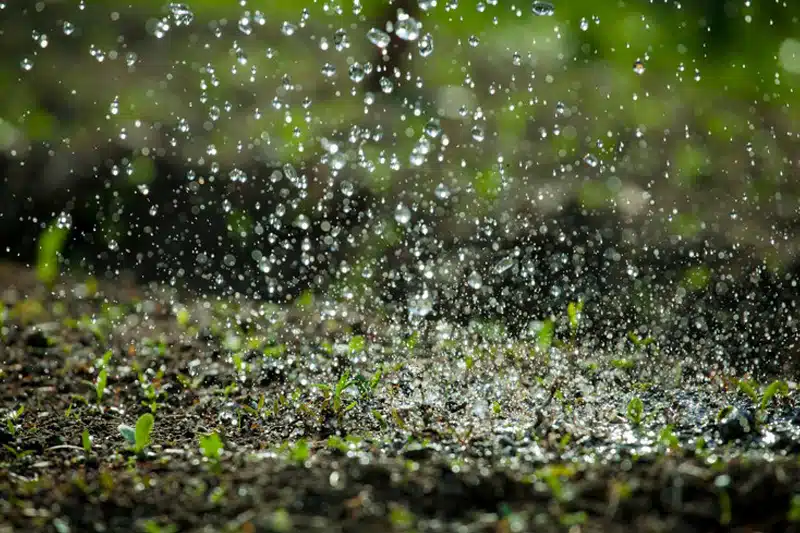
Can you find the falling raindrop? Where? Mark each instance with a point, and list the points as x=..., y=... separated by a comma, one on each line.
x=379, y=38
x=545, y=9
x=408, y=28
x=181, y=14
x=402, y=214
x=425, y=45
x=475, y=281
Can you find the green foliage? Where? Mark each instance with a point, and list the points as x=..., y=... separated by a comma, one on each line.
x=144, y=426
x=544, y=335
x=211, y=446
x=357, y=344
x=139, y=437
x=635, y=411
x=86, y=441
x=299, y=451
x=100, y=386
x=776, y=388
x=51, y=242
x=794, y=509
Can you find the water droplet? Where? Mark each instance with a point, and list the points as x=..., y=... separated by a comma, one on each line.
x=442, y=192
x=475, y=281
x=402, y=214
x=356, y=72
x=408, y=28
x=340, y=40
x=584, y=24
x=379, y=38
x=26, y=63
x=347, y=188
x=64, y=220
x=67, y=27
x=387, y=86
x=181, y=14
x=591, y=160
x=473, y=41
x=328, y=70
x=543, y=9
x=288, y=29
x=113, y=245
x=638, y=67
x=425, y=45
x=503, y=265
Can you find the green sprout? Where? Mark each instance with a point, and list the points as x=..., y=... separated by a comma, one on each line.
x=11, y=421
x=762, y=398
x=333, y=395
x=51, y=242
x=211, y=446
x=100, y=386
x=139, y=437
x=86, y=441
x=635, y=411
x=544, y=335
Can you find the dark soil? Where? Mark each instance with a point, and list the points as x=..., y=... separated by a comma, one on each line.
x=294, y=460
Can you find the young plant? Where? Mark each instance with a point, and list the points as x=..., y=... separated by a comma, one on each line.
x=334, y=395
x=11, y=421
x=100, y=386
x=139, y=437
x=86, y=442
x=762, y=397
x=51, y=242
x=635, y=411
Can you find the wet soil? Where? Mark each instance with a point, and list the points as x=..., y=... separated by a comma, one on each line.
x=513, y=445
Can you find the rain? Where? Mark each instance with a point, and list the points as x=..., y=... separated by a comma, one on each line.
x=421, y=265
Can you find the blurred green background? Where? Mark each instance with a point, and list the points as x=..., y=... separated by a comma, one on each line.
x=675, y=121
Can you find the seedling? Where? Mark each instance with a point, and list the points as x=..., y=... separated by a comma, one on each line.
x=11, y=421
x=635, y=410
x=211, y=447
x=139, y=437
x=574, y=313
x=333, y=395
x=299, y=451
x=761, y=400
x=18, y=454
x=100, y=386
x=51, y=242
x=86, y=441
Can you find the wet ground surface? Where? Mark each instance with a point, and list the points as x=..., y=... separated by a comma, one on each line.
x=333, y=421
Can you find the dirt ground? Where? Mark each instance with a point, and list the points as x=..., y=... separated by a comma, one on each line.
x=297, y=456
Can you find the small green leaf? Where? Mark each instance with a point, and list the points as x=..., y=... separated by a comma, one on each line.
x=544, y=336
x=211, y=446
x=300, y=451
x=51, y=242
x=86, y=440
x=144, y=426
x=100, y=387
x=747, y=388
x=128, y=433
x=635, y=410
x=777, y=387
x=574, y=310
x=357, y=344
